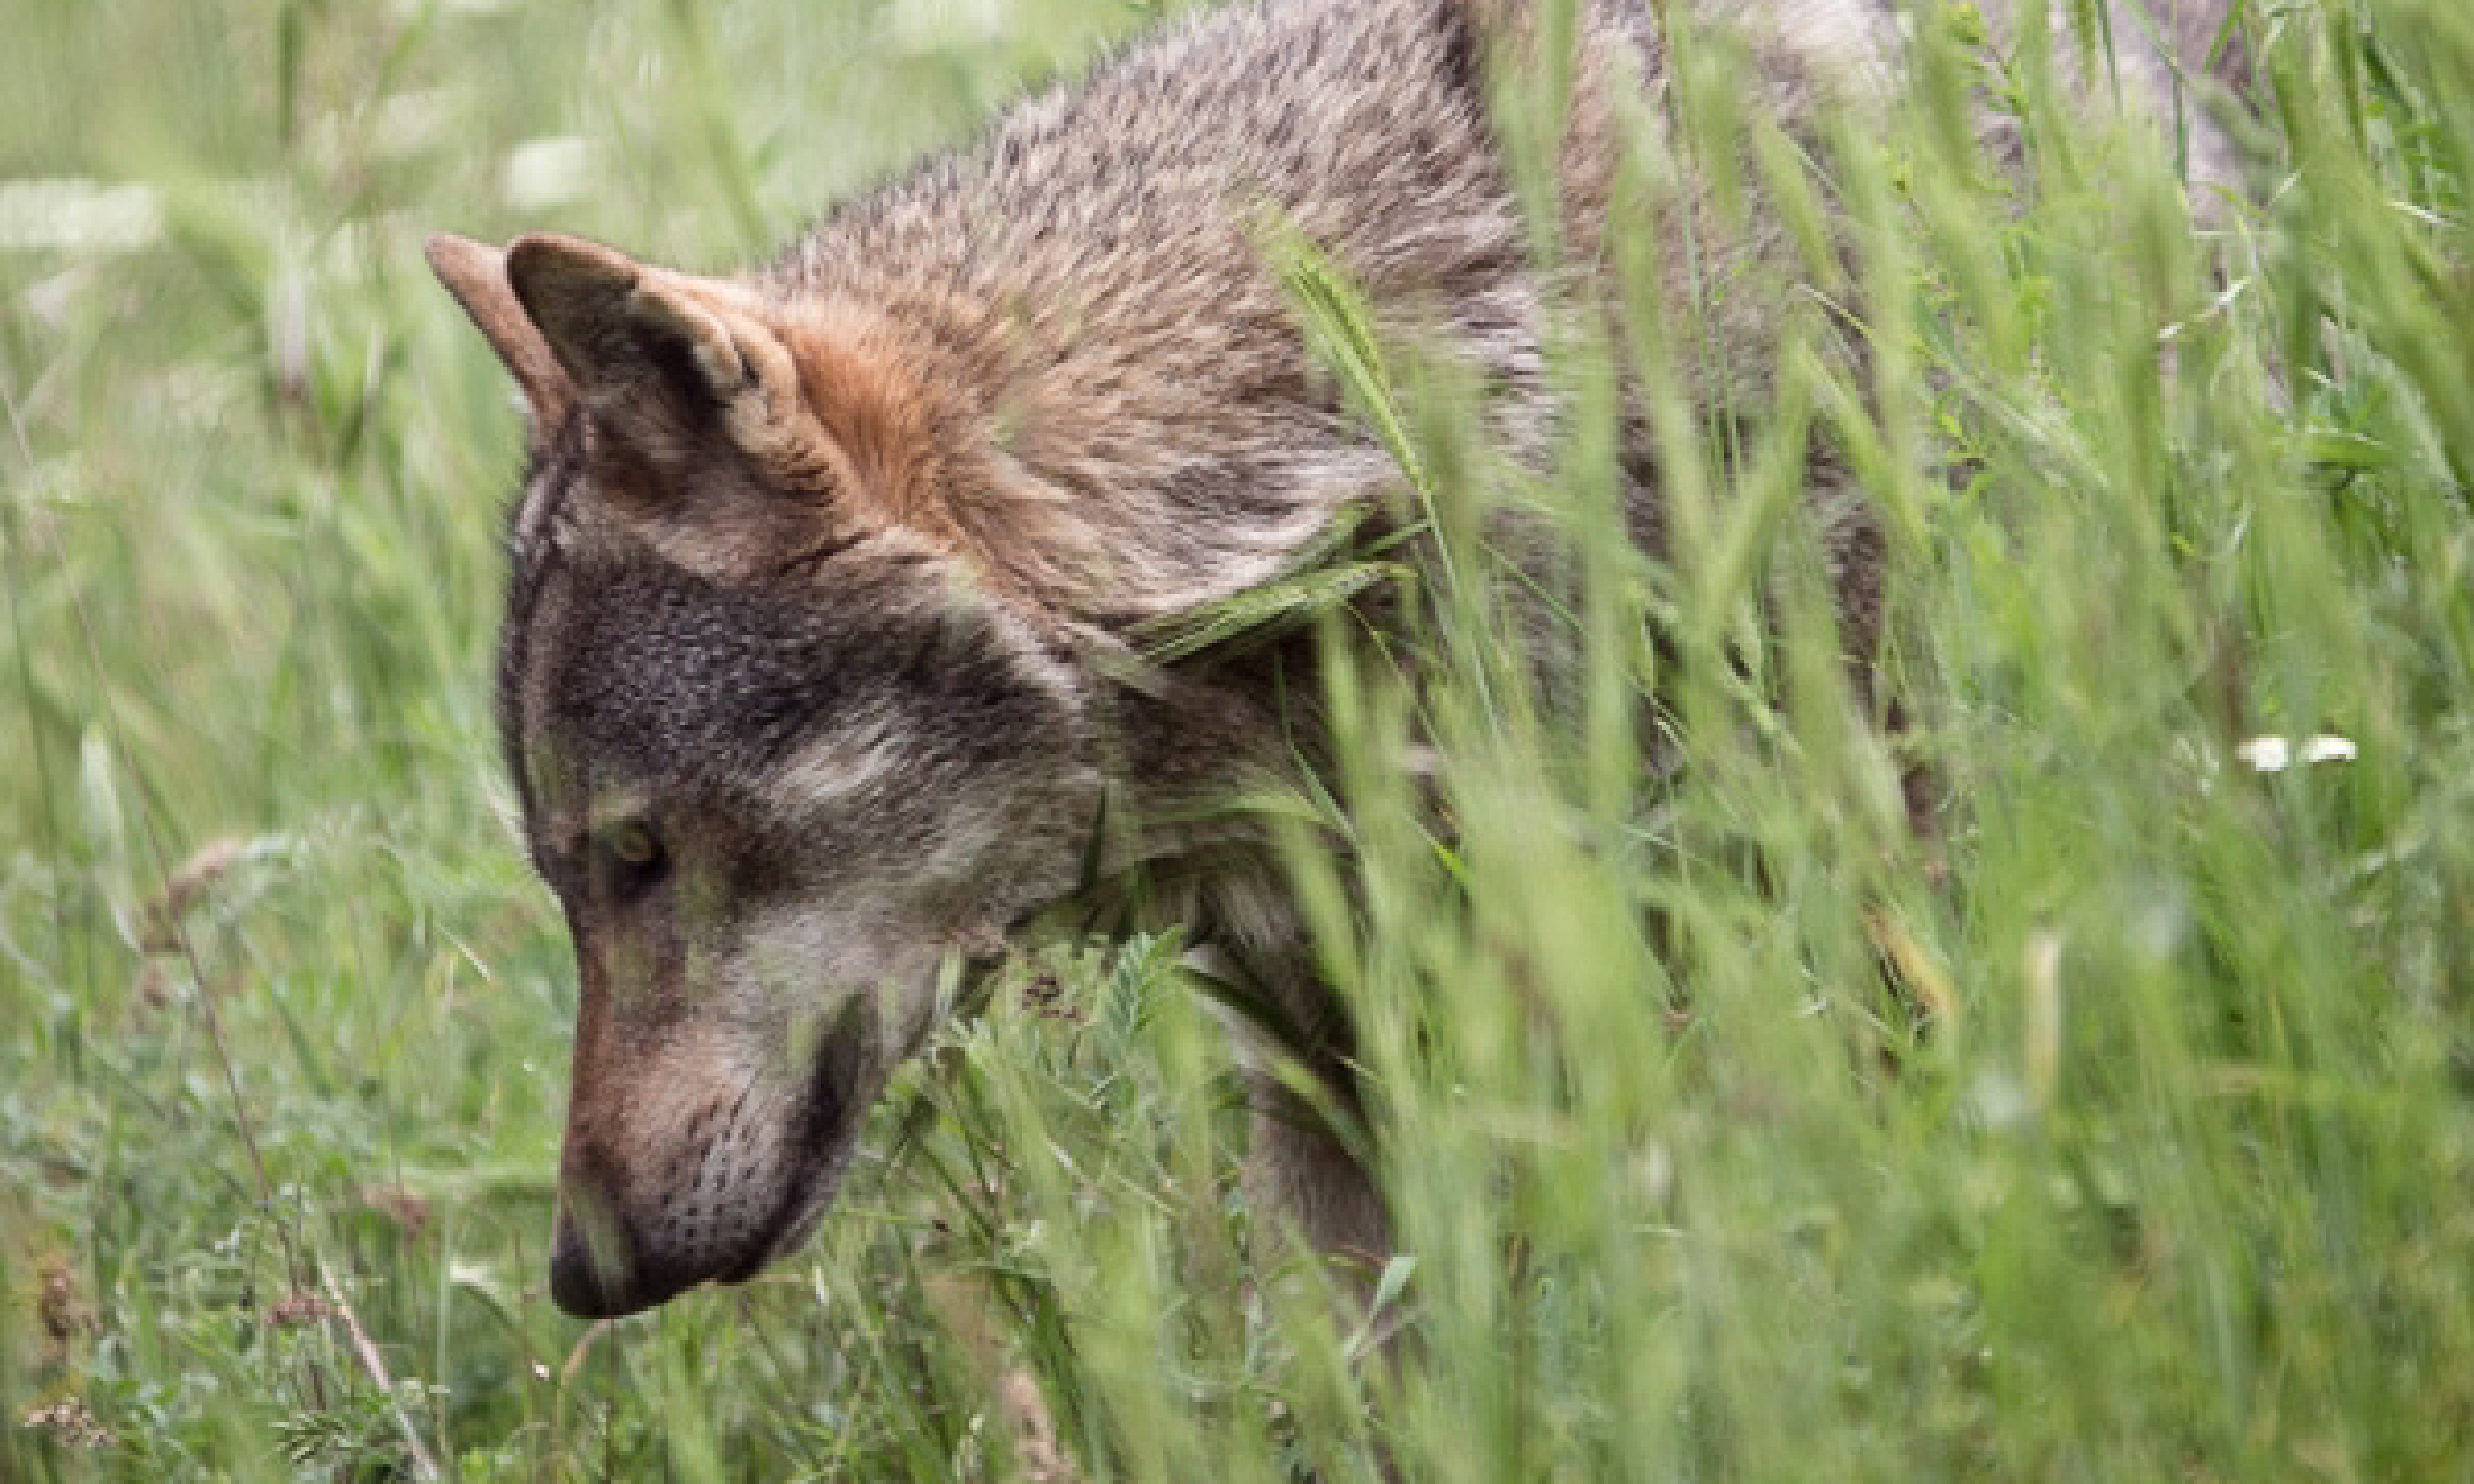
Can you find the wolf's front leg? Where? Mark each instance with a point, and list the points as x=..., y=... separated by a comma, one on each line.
x=1303, y=1181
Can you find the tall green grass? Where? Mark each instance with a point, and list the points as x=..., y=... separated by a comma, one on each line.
x=2121, y=1128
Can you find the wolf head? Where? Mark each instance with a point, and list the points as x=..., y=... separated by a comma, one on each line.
x=784, y=747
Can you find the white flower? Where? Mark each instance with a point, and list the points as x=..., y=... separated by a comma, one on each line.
x=2276, y=754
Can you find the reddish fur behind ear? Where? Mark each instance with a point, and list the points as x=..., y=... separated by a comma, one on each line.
x=925, y=439
x=735, y=433
x=869, y=395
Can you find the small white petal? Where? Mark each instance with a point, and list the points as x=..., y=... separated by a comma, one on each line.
x=2266, y=755
x=2326, y=747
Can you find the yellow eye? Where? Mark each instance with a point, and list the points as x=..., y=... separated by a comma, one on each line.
x=634, y=845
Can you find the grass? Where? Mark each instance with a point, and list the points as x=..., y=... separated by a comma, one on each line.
x=2159, y=1163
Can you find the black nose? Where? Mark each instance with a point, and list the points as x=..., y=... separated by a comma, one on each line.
x=600, y=1268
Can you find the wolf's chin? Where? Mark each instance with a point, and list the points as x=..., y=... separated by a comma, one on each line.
x=799, y=1222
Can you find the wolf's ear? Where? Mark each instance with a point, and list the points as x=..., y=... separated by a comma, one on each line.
x=476, y=275
x=656, y=356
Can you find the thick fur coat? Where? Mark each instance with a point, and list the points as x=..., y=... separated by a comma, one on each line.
x=811, y=678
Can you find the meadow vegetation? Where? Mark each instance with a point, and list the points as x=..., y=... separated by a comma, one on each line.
x=2121, y=1128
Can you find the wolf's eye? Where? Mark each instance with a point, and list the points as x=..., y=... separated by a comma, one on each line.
x=633, y=855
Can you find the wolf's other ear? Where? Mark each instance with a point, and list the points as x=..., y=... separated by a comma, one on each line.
x=655, y=356
x=476, y=275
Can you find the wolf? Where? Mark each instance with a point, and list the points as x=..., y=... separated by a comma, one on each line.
x=813, y=678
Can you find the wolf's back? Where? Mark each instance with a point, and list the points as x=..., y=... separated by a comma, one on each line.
x=1092, y=271
x=1091, y=275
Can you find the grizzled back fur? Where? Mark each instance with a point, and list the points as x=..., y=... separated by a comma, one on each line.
x=813, y=675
